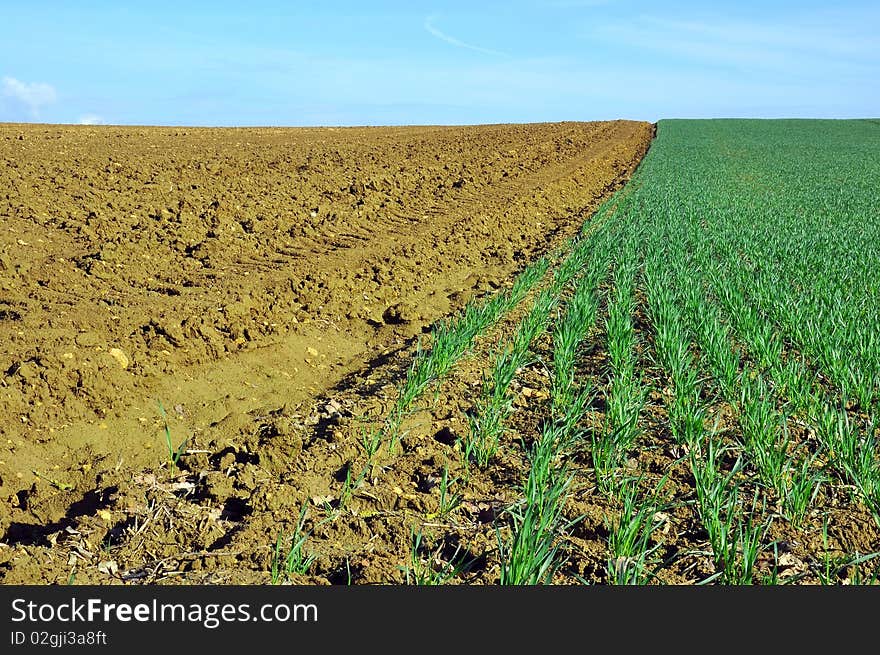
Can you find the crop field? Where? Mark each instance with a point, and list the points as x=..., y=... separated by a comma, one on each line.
x=678, y=384
x=178, y=306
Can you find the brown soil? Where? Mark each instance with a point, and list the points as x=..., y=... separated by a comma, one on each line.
x=266, y=286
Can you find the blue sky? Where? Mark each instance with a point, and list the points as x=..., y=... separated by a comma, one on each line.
x=259, y=62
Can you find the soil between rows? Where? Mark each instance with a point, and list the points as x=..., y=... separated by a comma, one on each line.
x=253, y=281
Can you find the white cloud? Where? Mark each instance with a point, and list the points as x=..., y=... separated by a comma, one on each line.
x=31, y=95
x=91, y=119
x=429, y=25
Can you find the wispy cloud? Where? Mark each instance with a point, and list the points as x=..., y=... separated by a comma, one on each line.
x=574, y=4
x=429, y=26
x=91, y=119
x=33, y=96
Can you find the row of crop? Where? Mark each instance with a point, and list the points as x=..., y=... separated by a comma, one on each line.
x=693, y=337
x=762, y=351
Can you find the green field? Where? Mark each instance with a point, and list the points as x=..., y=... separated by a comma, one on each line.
x=758, y=262
x=711, y=351
x=682, y=389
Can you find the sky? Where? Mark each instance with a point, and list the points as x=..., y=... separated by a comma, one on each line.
x=274, y=63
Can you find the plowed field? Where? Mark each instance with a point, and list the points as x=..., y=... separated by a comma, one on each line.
x=244, y=296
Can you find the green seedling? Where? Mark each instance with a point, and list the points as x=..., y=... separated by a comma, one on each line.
x=629, y=534
x=449, y=500
x=174, y=454
x=435, y=571
x=61, y=486
x=371, y=440
x=294, y=560
x=803, y=485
